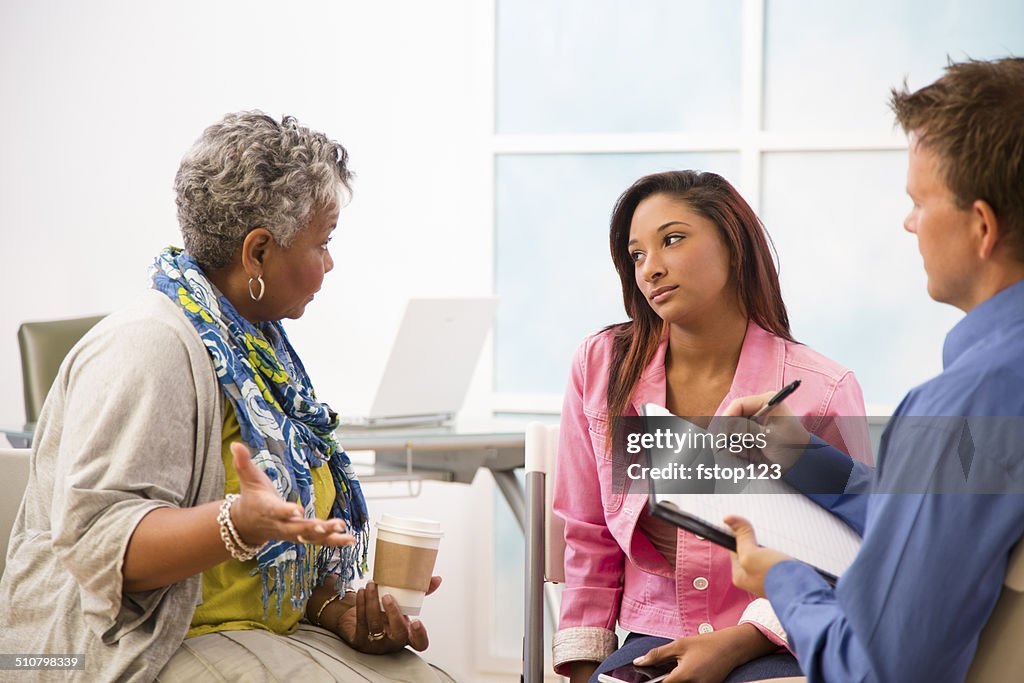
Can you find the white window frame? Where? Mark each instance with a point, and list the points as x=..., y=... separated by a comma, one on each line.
x=751, y=142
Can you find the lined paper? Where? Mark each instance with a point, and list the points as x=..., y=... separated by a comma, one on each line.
x=782, y=517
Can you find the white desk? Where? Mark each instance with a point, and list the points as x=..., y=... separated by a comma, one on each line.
x=451, y=453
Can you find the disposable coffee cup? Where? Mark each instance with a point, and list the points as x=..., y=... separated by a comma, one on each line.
x=404, y=559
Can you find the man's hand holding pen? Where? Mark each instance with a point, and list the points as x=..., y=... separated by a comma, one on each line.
x=786, y=438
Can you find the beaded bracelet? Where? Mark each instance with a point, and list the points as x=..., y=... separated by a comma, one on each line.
x=239, y=550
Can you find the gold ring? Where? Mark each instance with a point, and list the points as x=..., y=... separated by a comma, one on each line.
x=374, y=637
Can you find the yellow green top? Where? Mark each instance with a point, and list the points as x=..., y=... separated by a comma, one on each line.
x=232, y=591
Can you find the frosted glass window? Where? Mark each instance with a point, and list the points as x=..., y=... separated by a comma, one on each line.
x=851, y=277
x=606, y=66
x=830, y=65
x=555, y=278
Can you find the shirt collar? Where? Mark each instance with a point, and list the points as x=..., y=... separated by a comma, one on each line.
x=991, y=314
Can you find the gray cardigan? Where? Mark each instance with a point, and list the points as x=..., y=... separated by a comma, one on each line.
x=133, y=422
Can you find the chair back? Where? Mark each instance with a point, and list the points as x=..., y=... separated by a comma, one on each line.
x=554, y=526
x=14, y=466
x=1000, y=656
x=43, y=347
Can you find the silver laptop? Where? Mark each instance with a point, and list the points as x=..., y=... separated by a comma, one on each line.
x=431, y=364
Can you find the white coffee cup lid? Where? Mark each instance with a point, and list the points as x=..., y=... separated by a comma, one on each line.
x=411, y=525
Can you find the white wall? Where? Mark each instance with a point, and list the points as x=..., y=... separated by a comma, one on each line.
x=99, y=104
x=101, y=99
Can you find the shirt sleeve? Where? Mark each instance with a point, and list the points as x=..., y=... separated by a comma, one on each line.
x=760, y=615
x=594, y=562
x=912, y=604
x=833, y=480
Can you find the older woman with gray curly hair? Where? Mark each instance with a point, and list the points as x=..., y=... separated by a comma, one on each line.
x=189, y=513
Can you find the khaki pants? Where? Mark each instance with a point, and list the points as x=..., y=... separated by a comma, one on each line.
x=311, y=655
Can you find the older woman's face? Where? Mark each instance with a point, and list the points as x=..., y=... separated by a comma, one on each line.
x=294, y=275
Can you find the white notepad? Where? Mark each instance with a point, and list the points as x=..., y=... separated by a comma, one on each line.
x=782, y=517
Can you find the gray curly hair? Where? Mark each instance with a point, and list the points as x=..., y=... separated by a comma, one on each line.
x=249, y=171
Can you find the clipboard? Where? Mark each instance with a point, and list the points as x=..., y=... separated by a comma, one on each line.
x=819, y=539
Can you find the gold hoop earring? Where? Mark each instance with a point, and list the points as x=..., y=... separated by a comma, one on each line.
x=257, y=297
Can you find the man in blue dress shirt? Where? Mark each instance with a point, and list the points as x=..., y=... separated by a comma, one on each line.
x=911, y=606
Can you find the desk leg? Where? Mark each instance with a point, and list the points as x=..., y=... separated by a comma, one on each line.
x=18, y=439
x=513, y=493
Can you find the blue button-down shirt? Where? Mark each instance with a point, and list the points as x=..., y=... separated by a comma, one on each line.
x=911, y=606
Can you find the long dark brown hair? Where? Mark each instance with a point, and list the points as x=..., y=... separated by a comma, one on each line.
x=750, y=253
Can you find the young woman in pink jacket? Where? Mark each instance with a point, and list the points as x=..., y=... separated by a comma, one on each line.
x=706, y=324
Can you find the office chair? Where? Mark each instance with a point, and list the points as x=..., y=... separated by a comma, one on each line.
x=545, y=544
x=1000, y=656
x=43, y=347
x=14, y=466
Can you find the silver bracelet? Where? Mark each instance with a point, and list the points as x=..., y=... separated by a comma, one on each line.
x=239, y=550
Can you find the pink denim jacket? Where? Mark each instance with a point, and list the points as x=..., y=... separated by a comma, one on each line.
x=612, y=571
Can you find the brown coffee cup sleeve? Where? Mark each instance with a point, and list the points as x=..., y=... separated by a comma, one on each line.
x=403, y=566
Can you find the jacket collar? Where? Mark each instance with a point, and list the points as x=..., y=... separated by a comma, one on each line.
x=760, y=369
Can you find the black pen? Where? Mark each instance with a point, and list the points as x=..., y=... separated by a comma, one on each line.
x=778, y=398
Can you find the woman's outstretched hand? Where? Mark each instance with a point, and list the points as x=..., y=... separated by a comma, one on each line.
x=173, y=544
x=260, y=515
x=390, y=629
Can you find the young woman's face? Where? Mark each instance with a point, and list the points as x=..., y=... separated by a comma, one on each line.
x=681, y=263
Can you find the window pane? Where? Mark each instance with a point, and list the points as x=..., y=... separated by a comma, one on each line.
x=851, y=277
x=555, y=278
x=587, y=66
x=830, y=65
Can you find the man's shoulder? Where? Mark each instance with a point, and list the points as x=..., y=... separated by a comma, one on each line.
x=982, y=382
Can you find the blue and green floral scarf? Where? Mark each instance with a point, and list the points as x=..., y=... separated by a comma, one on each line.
x=287, y=429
